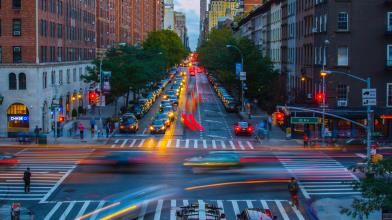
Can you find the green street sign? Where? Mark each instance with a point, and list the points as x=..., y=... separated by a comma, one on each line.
x=305, y=120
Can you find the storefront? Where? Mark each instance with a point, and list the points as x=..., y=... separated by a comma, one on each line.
x=18, y=119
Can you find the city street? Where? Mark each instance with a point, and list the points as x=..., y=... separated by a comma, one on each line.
x=65, y=188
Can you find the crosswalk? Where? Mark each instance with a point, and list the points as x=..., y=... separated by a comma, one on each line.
x=319, y=175
x=49, y=168
x=206, y=144
x=166, y=209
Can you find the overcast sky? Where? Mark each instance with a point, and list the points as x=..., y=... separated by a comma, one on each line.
x=191, y=8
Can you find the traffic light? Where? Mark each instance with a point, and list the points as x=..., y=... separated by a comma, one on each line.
x=279, y=116
x=320, y=97
x=61, y=119
x=92, y=97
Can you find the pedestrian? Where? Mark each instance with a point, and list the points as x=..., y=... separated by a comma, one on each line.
x=26, y=179
x=81, y=130
x=36, y=132
x=269, y=123
x=107, y=129
x=92, y=126
x=293, y=189
x=306, y=140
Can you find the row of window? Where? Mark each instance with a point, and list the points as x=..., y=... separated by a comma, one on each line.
x=60, y=77
x=17, y=83
x=16, y=4
x=16, y=27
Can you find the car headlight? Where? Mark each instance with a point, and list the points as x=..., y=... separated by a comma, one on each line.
x=171, y=114
x=151, y=128
x=163, y=127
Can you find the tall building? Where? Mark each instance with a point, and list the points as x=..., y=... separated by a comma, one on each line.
x=106, y=11
x=203, y=16
x=123, y=21
x=180, y=27
x=44, y=50
x=304, y=37
x=168, y=20
x=220, y=8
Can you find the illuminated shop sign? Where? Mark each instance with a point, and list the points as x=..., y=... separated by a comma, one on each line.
x=18, y=118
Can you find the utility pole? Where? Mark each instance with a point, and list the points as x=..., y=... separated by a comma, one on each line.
x=242, y=82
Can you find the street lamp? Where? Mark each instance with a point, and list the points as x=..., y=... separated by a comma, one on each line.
x=242, y=69
x=324, y=73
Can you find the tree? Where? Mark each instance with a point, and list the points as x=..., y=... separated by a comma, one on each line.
x=376, y=190
x=262, y=81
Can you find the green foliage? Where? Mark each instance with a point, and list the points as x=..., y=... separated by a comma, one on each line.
x=376, y=190
x=262, y=81
x=168, y=43
x=74, y=113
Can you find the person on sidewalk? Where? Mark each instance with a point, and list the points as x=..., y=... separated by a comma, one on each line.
x=92, y=126
x=81, y=130
x=269, y=123
x=26, y=179
x=107, y=129
x=36, y=132
x=306, y=140
x=293, y=189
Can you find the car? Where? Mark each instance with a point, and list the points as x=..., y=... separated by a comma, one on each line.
x=168, y=94
x=165, y=118
x=256, y=214
x=116, y=158
x=173, y=100
x=232, y=106
x=243, y=128
x=163, y=104
x=128, y=124
x=169, y=111
x=157, y=126
x=8, y=159
x=137, y=111
x=214, y=159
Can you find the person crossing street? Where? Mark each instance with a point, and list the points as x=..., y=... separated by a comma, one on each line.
x=293, y=189
x=26, y=179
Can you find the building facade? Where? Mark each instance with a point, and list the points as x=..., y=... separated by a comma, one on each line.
x=220, y=8
x=181, y=30
x=168, y=20
x=44, y=50
x=330, y=35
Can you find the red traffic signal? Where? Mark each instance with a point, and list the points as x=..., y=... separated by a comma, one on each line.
x=92, y=96
x=279, y=116
x=61, y=118
x=320, y=97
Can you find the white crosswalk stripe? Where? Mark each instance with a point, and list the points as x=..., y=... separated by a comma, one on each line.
x=200, y=144
x=166, y=209
x=49, y=168
x=317, y=174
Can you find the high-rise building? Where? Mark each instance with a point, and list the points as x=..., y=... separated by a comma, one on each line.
x=44, y=50
x=106, y=11
x=168, y=20
x=180, y=27
x=220, y=8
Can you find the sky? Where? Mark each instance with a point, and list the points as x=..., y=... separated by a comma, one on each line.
x=191, y=8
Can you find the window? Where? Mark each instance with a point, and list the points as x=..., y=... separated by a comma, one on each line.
x=389, y=21
x=17, y=54
x=1, y=54
x=44, y=80
x=80, y=73
x=53, y=77
x=74, y=75
x=16, y=4
x=68, y=76
x=389, y=94
x=343, y=56
x=0, y=25
x=16, y=27
x=342, y=21
x=22, y=81
x=59, y=30
x=342, y=92
x=11, y=81
x=52, y=29
x=389, y=55
x=61, y=77
x=60, y=7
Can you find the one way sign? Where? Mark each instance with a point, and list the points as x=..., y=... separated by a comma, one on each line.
x=369, y=97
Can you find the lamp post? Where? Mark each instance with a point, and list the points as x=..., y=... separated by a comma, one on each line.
x=242, y=69
x=368, y=109
x=323, y=75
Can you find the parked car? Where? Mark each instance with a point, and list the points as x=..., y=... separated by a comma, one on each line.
x=157, y=126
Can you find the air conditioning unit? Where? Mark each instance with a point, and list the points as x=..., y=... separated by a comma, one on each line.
x=342, y=103
x=16, y=33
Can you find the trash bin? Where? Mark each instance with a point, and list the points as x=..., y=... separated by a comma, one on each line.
x=42, y=139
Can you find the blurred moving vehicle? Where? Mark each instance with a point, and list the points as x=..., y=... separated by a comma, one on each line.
x=157, y=126
x=117, y=158
x=165, y=118
x=8, y=159
x=214, y=159
x=169, y=111
x=243, y=128
x=256, y=214
x=128, y=123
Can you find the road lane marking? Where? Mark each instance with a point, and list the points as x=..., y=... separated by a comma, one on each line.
x=158, y=210
x=132, y=143
x=187, y=143
x=195, y=144
x=57, y=185
x=204, y=144
x=264, y=204
x=143, y=210
x=83, y=209
x=214, y=121
x=141, y=143
x=202, y=210
x=220, y=205
x=241, y=146
x=363, y=156
x=213, y=144
x=100, y=205
x=249, y=144
x=168, y=145
x=173, y=209
x=298, y=214
x=178, y=143
x=67, y=211
x=223, y=144
x=281, y=210
x=52, y=211
x=123, y=143
x=232, y=145
x=144, y=131
x=115, y=142
x=249, y=204
x=235, y=207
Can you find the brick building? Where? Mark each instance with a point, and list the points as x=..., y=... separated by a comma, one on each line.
x=44, y=49
x=304, y=37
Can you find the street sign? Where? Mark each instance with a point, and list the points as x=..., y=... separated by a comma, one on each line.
x=242, y=76
x=305, y=120
x=369, y=102
x=238, y=69
x=107, y=73
x=369, y=97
